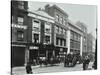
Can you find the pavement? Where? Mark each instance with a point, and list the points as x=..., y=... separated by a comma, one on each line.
x=56, y=68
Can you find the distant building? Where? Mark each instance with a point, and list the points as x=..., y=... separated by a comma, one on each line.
x=75, y=38
x=91, y=45
x=84, y=30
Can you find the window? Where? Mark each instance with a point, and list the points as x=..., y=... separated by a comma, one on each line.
x=64, y=42
x=20, y=35
x=20, y=20
x=72, y=35
x=75, y=36
x=61, y=41
x=57, y=41
x=57, y=29
x=57, y=17
x=61, y=20
x=64, y=22
x=64, y=31
x=36, y=38
x=47, y=39
x=21, y=4
x=79, y=38
x=71, y=44
x=47, y=28
x=84, y=39
x=60, y=30
x=36, y=26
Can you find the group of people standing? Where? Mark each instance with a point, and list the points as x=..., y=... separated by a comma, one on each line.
x=86, y=62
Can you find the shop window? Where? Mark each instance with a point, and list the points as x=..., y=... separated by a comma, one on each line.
x=21, y=4
x=20, y=20
x=20, y=35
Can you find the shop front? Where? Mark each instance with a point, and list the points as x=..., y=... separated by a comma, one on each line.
x=18, y=54
x=33, y=54
x=60, y=52
x=74, y=51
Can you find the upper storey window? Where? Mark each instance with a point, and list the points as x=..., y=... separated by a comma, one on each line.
x=64, y=21
x=57, y=17
x=47, y=28
x=20, y=20
x=57, y=29
x=61, y=20
x=36, y=25
x=21, y=4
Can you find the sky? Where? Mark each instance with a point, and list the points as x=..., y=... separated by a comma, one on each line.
x=83, y=13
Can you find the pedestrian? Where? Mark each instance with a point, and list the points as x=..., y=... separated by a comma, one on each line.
x=86, y=63
x=28, y=68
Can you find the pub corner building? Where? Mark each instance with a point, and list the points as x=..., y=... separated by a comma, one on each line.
x=42, y=33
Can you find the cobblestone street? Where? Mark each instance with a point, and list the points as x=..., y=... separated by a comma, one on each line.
x=49, y=69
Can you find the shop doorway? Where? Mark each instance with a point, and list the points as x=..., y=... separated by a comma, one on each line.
x=17, y=56
x=33, y=56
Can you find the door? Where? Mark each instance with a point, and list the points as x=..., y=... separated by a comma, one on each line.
x=17, y=56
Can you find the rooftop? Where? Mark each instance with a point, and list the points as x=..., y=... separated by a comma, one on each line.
x=41, y=13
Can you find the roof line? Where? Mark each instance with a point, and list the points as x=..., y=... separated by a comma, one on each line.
x=60, y=9
x=40, y=15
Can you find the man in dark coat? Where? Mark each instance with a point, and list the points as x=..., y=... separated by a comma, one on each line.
x=28, y=68
x=86, y=63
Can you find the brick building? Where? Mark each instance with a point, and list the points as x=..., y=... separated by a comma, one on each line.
x=59, y=29
x=40, y=35
x=18, y=32
x=43, y=33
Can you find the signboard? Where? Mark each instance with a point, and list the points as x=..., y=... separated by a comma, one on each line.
x=61, y=49
x=19, y=26
x=33, y=47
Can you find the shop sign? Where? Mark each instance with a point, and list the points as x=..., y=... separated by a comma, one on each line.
x=33, y=47
x=61, y=49
x=19, y=26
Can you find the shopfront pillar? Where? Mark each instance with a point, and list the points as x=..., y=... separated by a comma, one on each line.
x=68, y=41
x=54, y=53
x=81, y=40
x=26, y=55
x=47, y=53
